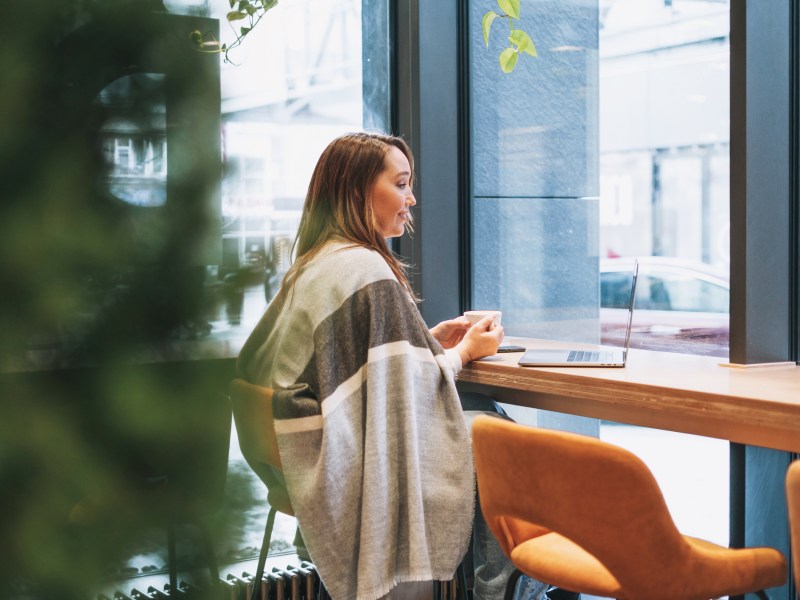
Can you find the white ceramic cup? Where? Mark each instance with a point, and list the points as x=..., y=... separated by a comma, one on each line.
x=473, y=316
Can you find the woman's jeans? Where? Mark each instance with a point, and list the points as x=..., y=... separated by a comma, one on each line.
x=492, y=567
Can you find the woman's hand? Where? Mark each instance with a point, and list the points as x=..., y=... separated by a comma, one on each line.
x=449, y=333
x=482, y=339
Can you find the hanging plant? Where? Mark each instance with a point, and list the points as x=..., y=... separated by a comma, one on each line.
x=242, y=18
x=519, y=40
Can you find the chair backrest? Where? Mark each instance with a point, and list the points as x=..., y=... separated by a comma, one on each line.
x=599, y=496
x=793, y=508
x=255, y=428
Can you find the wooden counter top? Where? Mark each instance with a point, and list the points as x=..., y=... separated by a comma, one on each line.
x=677, y=392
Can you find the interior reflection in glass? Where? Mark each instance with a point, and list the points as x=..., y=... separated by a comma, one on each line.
x=134, y=138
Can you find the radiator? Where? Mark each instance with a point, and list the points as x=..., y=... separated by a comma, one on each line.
x=290, y=583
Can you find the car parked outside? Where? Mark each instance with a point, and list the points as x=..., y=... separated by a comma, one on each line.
x=681, y=305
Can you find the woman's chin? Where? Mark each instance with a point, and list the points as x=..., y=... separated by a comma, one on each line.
x=394, y=233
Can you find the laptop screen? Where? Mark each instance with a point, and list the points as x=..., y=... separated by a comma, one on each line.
x=630, y=304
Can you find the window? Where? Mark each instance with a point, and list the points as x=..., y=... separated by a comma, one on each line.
x=612, y=144
x=300, y=79
x=664, y=167
x=534, y=205
x=278, y=114
x=134, y=138
x=151, y=196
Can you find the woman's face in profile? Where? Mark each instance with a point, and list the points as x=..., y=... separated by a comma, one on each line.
x=392, y=196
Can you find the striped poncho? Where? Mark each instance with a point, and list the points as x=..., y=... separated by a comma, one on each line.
x=375, y=451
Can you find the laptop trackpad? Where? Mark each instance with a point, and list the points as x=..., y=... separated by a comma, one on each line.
x=544, y=357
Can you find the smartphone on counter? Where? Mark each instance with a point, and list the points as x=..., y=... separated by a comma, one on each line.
x=511, y=348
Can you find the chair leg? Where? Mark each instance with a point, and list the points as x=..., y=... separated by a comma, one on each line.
x=512, y=584
x=172, y=559
x=211, y=556
x=445, y=590
x=762, y=595
x=262, y=557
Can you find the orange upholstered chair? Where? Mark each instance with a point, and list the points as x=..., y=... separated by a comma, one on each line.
x=252, y=412
x=793, y=506
x=588, y=516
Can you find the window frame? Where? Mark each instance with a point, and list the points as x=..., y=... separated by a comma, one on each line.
x=430, y=114
x=763, y=186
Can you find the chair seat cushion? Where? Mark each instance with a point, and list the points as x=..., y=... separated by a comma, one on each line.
x=736, y=570
x=545, y=558
x=559, y=561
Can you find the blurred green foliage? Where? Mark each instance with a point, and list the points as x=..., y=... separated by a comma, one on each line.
x=98, y=439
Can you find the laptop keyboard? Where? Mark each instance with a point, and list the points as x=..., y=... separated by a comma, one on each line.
x=593, y=356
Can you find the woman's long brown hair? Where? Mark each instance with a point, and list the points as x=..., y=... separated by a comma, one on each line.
x=338, y=203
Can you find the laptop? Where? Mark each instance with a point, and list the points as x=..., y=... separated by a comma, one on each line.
x=592, y=357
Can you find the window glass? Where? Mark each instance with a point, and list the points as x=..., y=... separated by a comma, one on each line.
x=534, y=172
x=611, y=145
x=684, y=293
x=135, y=142
x=664, y=167
x=296, y=82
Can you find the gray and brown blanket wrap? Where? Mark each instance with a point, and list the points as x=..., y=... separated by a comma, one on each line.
x=375, y=451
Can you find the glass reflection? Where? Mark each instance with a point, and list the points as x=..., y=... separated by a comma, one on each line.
x=134, y=138
x=664, y=168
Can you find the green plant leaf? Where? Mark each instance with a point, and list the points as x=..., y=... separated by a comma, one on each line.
x=246, y=7
x=508, y=60
x=243, y=31
x=232, y=3
x=235, y=15
x=523, y=42
x=267, y=4
x=486, y=25
x=510, y=7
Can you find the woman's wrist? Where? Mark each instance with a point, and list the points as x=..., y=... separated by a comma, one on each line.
x=463, y=353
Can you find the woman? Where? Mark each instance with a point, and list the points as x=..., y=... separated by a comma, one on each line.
x=373, y=441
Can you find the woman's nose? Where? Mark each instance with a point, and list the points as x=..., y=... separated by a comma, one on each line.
x=411, y=200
